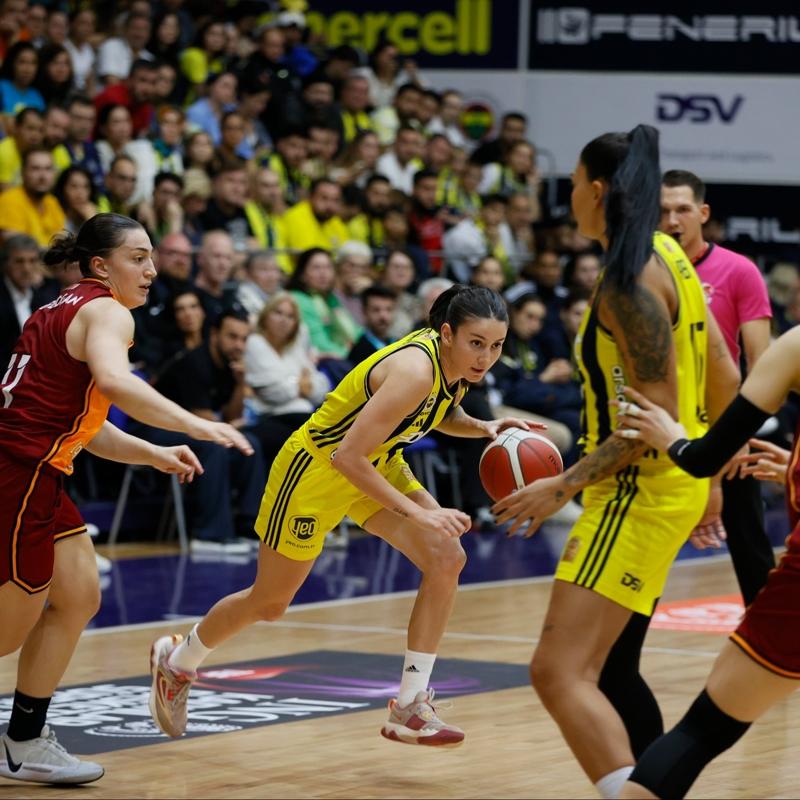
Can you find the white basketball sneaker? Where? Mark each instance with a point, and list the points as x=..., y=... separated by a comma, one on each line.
x=44, y=760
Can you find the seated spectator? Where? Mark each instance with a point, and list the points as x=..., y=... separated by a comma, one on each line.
x=403, y=160
x=78, y=148
x=17, y=76
x=353, y=103
x=32, y=208
x=367, y=225
x=458, y=189
x=167, y=145
x=385, y=75
x=573, y=311
x=315, y=223
x=265, y=215
x=489, y=273
x=425, y=219
x=516, y=234
x=165, y=214
x=209, y=382
x=516, y=175
x=204, y=57
x=783, y=284
x=358, y=162
x=546, y=272
x=164, y=44
x=448, y=122
x=300, y=59
x=353, y=276
x=471, y=240
x=279, y=367
x=396, y=232
x=291, y=150
x=115, y=128
x=116, y=55
x=120, y=187
x=527, y=379
x=185, y=327
x=57, y=26
x=378, y=305
x=427, y=292
x=227, y=153
x=583, y=271
x=323, y=145
x=428, y=109
x=81, y=31
x=264, y=278
x=28, y=133
x=314, y=104
x=388, y=121
x=330, y=327
x=215, y=263
x=54, y=78
x=76, y=195
x=399, y=276
x=513, y=128
x=199, y=151
x=23, y=289
x=206, y=113
x=255, y=96
x=56, y=125
x=225, y=211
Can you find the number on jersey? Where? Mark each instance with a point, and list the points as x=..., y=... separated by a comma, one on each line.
x=13, y=374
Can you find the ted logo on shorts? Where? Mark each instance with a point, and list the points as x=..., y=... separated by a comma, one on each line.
x=303, y=527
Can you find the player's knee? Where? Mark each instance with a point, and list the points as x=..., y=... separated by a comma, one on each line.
x=446, y=559
x=270, y=610
x=547, y=676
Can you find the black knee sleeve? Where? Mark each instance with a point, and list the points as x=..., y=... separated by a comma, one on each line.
x=671, y=764
x=621, y=682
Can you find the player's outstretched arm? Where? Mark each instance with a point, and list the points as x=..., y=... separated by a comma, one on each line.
x=459, y=423
x=102, y=340
x=116, y=445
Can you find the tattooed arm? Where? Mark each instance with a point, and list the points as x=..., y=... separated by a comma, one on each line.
x=641, y=324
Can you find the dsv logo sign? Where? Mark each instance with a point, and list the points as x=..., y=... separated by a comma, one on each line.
x=697, y=108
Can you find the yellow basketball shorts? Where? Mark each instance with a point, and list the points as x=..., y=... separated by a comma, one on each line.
x=632, y=527
x=306, y=497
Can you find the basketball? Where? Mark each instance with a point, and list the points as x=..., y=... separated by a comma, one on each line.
x=515, y=458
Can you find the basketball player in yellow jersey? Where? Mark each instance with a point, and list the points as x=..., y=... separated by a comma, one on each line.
x=347, y=460
x=648, y=327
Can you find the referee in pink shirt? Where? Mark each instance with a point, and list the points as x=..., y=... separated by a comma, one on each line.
x=737, y=297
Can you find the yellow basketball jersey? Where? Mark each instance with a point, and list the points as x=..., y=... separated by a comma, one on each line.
x=328, y=425
x=602, y=370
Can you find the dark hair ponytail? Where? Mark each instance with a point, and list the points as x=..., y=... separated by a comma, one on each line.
x=459, y=303
x=97, y=236
x=629, y=163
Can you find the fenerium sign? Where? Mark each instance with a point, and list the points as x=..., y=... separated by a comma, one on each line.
x=440, y=34
x=576, y=37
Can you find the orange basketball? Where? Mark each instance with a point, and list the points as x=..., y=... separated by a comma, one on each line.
x=515, y=458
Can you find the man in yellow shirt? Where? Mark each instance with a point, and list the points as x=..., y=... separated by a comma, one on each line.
x=316, y=222
x=28, y=133
x=31, y=208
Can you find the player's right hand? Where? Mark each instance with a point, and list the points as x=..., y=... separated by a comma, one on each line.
x=220, y=433
x=450, y=521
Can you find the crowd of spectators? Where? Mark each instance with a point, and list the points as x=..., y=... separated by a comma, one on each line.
x=306, y=203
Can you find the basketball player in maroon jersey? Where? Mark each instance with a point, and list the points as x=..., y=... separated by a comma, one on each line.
x=760, y=665
x=68, y=365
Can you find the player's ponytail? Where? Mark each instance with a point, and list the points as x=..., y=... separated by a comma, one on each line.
x=629, y=164
x=97, y=236
x=459, y=303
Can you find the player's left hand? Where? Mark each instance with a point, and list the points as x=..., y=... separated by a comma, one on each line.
x=710, y=532
x=527, y=508
x=178, y=460
x=494, y=426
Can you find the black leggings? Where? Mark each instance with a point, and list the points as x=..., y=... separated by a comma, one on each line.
x=621, y=682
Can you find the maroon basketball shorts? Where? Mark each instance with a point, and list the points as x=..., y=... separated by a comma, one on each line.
x=769, y=631
x=35, y=513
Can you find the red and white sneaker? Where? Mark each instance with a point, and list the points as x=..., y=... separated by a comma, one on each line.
x=169, y=691
x=417, y=723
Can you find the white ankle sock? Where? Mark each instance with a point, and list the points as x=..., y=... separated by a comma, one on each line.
x=189, y=654
x=417, y=670
x=611, y=785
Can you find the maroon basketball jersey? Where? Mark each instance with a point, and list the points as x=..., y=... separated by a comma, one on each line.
x=793, y=481
x=50, y=405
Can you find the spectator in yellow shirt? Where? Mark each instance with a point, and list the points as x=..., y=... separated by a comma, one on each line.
x=316, y=222
x=28, y=133
x=32, y=208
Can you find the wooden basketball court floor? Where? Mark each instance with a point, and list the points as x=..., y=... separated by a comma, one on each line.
x=513, y=749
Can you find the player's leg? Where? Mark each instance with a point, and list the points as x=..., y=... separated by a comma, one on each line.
x=32, y=752
x=19, y=612
x=174, y=661
x=579, y=630
x=440, y=559
x=738, y=692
